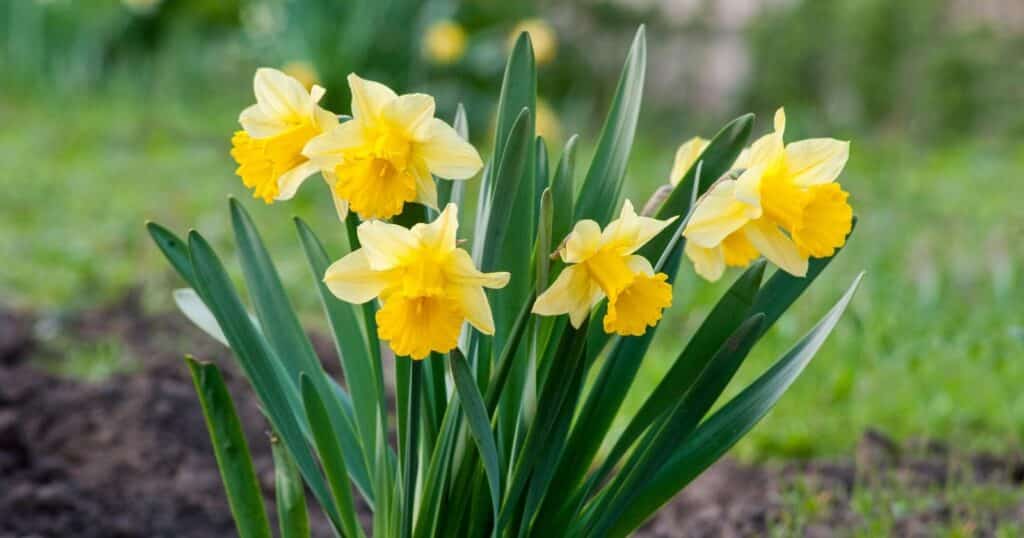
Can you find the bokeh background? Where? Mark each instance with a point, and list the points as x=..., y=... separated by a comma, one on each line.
x=115, y=112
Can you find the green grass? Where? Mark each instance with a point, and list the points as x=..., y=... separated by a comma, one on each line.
x=933, y=345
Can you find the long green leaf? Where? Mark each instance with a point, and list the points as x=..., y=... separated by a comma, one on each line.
x=479, y=423
x=723, y=320
x=277, y=393
x=680, y=422
x=290, y=494
x=563, y=191
x=231, y=450
x=362, y=373
x=326, y=438
x=410, y=448
x=603, y=184
x=730, y=423
x=174, y=249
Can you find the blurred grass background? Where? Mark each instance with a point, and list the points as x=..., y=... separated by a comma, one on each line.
x=119, y=112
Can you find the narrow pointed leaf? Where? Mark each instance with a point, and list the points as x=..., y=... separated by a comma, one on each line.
x=730, y=423
x=290, y=494
x=602, y=187
x=174, y=249
x=479, y=423
x=231, y=450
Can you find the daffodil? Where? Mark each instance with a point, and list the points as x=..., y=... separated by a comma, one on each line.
x=785, y=204
x=603, y=264
x=427, y=285
x=444, y=42
x=384, y=157
x=268, y=149
x=686, y=157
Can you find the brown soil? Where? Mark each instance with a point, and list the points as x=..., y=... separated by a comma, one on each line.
x=130, y=457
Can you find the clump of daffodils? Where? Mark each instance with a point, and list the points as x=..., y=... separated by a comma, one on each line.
x=499, y=415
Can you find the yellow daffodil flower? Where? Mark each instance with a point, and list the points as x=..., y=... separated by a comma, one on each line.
x=785, y=205
x=427, y=285
x=444, y=42
x=603, y=264
x=384, y=156
x=686, y=157
x=269, y=148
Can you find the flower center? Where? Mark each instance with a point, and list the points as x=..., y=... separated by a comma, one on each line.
x=378, y=178
x=610, y=270
x=262, y=161
x=638, y=306
x=415, y=326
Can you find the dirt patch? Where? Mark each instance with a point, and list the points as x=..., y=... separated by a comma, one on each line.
x=130, y=456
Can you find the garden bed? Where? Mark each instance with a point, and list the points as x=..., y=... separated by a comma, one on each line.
x=129, y=455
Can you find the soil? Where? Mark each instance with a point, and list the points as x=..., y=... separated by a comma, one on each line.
x=129, y=456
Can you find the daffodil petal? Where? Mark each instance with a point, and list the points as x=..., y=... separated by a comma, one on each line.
x=281, y=96
x=258, y=124
x=629, y=232
x=641, y=265
x=478, y=311
x=340, y=204
x=352, y=279
x=748, y=188
x=709, y=263
x=426, y=190
x=327, y=149
x=816, y=161
x=573, y=293
x=686, y=157
x=368, y=98
x=440, y=233
x=290, y=181
x=582, y=242
x=386, y=245
x=462, y=271
x=410, y=112
x=776, y=246
x=447, y=155
x=716, y=216
x=780, y=121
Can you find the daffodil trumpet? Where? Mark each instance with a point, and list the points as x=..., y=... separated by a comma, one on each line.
x=603, y=264
x=427, y=285
x=389, y=152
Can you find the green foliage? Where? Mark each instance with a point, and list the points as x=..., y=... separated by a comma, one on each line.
x=517, y=464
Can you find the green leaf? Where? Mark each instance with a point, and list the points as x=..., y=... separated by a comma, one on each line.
x=231, y=450
x=563, y=192
x=362, y=373
x=540, y=171
x=282, y=329
x=437, y=475
x=290, y=493
x=479, y=423
x=275, y=389
x=715, y=160
x=730, y=423
x=410, y=448
x=518, y=91
x=678, y=424
x=326, y=438
x=453, y=191
x=724, y=319
x=556, y=398
x=174, y=249
x=602, y=186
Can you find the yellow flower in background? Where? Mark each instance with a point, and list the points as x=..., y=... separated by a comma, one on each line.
x=269, y=148
x=542, y=36
x=603, y=264
x=785, y=205
x=304, y=72
x=444, y=42
x=548, y=124
x=427, y=285
x=386, y=154
x=686, y=157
